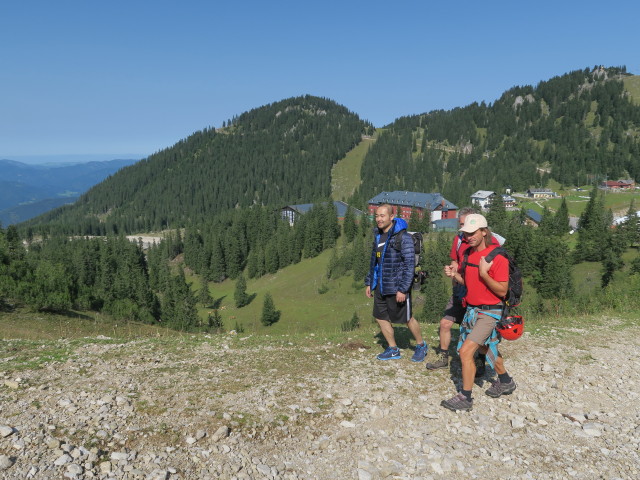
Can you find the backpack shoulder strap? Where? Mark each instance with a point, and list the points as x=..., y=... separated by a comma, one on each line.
x=465, y=260
x=496, y=251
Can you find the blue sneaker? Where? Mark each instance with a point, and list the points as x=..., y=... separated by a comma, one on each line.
x=420, y=352
x=391, y=353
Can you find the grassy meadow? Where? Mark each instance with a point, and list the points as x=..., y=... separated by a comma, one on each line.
x=345, y=174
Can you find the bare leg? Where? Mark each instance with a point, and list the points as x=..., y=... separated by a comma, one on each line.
x=387, y=332
x=445, y=334
x=467, y=351
x=499, y=366
x=414, y=328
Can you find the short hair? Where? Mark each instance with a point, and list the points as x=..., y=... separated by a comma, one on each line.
x=387, y=206
x=467, y=211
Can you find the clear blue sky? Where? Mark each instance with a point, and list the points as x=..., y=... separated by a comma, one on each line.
x=130, y=78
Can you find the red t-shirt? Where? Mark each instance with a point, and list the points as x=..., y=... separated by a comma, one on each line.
x=458, y=247
x=460, y=244
x=478, y=293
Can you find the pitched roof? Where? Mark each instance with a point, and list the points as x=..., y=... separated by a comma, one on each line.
x=413, y=199
x=482, y=194
x=341, y=207
x=533, y=215
x=445, y=225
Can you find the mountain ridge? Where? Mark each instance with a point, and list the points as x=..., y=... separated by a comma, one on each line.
x=579, y=125
x=29, y=184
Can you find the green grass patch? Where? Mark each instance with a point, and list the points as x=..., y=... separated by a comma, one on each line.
x=24, y=324
x=17, y=355
x=632, y=85
x=577, y=200
x=296, y=293
x=345, y=174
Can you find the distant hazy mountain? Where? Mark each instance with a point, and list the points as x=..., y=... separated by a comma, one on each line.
x=30, y=190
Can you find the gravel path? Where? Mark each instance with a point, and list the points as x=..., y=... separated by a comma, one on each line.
x=230, y=408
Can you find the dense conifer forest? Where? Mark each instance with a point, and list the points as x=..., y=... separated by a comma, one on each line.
x=219, y=194
x=278, y=154
x=573, y=128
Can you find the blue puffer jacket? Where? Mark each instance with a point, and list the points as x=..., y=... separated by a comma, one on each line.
x=395, y=271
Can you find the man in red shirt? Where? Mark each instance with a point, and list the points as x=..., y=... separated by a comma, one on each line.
x=487, y=284
x=454, y=311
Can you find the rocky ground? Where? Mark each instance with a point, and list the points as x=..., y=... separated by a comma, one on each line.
x=246, y=408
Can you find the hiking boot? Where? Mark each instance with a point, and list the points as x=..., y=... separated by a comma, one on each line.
x=480, y=368
x=390, y=353
x=442, y=362
x=497, y=388
x=420, y=352
x=458, y=402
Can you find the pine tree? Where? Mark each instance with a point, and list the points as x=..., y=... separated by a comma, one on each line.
x=217, y=266
x=214, y=321
x=269, y=313
x=561, y=218
x=631, y=226
x=349, y=227
x=552, y=277
x=204, y=296
x=593, y=230
x=240, y=296
x=497, y=214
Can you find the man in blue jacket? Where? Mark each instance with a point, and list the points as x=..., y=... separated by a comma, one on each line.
x=389, y=282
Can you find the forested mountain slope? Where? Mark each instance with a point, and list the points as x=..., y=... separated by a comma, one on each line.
x=573, y=128
x=576, y=128
x=279, y=153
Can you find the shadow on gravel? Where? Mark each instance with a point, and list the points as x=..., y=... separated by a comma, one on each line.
x=404, y=339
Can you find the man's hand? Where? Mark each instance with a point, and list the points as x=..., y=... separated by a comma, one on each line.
x=483, y=267
x=450, y=270
x=400, y=297
x=368, y=291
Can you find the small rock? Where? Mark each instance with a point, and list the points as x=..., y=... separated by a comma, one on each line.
x=263, y=469
x=5, y=462
x=517, y=422
x=5, y=431
x=75, y=469
x=158, y=475
x=592, y=429
x=11, y=384
x=119, y=456
x=63, y=460
x=221, y=433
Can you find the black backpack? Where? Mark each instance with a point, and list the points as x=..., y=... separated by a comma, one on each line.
x=514, y=290
x=419, y=276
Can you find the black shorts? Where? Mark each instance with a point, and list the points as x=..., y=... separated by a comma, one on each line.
x=454, y=311
x=385, y=307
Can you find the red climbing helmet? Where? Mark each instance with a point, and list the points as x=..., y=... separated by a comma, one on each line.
x=512, y=328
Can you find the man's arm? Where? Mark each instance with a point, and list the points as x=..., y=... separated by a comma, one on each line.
x=498, y=288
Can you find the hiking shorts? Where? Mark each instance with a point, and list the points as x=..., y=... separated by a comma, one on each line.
x=483, y=328
x=385, y=307
x=454, y=311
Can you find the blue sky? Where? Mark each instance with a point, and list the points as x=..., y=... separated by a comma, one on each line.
x=113, y=79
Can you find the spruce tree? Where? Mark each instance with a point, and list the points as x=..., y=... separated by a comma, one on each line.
x=593, y=230
x=269, y=313
x=561, y=218
x=349, y=227
x=240, y=296
x=214, y=321
x=204, y=296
